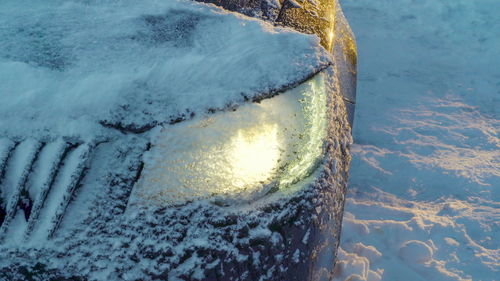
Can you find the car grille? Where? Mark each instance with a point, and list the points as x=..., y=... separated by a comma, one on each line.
x=37, y=182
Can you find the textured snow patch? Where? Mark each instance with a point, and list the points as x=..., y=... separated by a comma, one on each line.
x=414, y=251
x=70, y=64
x=425, y=171
x=356, y=266
x=418, y=244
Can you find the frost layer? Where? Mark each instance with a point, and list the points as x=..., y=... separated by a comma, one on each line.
x=72, y=63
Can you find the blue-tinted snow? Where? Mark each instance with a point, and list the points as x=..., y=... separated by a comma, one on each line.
x=424, y=200
x=64, y=65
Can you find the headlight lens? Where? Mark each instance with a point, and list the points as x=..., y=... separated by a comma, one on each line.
x=238, y=155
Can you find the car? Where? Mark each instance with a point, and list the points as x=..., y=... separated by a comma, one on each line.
x=173, y=140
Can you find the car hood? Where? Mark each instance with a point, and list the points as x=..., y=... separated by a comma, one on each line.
x=68, y=66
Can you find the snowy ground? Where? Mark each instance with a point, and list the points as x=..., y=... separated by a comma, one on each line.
x=424, y=200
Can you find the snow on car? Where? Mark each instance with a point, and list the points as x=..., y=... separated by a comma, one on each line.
x=173, y=140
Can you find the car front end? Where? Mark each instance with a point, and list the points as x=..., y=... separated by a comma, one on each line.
x=174, y=140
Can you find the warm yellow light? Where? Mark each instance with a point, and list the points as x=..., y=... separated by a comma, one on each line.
x=229, y=155
x=240, y=155
x=255, y=153
x=330, y=36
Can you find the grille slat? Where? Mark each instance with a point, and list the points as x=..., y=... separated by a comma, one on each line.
x=6, y=150
x=16, y=170
x=76, y=178
x=38, y=181
x=16, y=166
x=6, y=147
x=58, y=195
x=26, y=158
x=50, y=161
x=6, y=155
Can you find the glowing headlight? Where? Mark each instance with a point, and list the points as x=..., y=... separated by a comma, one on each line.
x=243, y=154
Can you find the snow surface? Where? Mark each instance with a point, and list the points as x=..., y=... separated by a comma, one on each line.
x=66, y=64
x=424, y=200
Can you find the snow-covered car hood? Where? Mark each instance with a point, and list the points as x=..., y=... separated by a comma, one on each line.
x=67, y=66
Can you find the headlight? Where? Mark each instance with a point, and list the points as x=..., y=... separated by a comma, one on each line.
x=238, y=155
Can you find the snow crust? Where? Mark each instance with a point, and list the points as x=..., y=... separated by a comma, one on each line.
x=65, y=65
x=424, y=201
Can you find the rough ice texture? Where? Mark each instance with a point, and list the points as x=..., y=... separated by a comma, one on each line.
x=65, y=65
x=424, y=201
